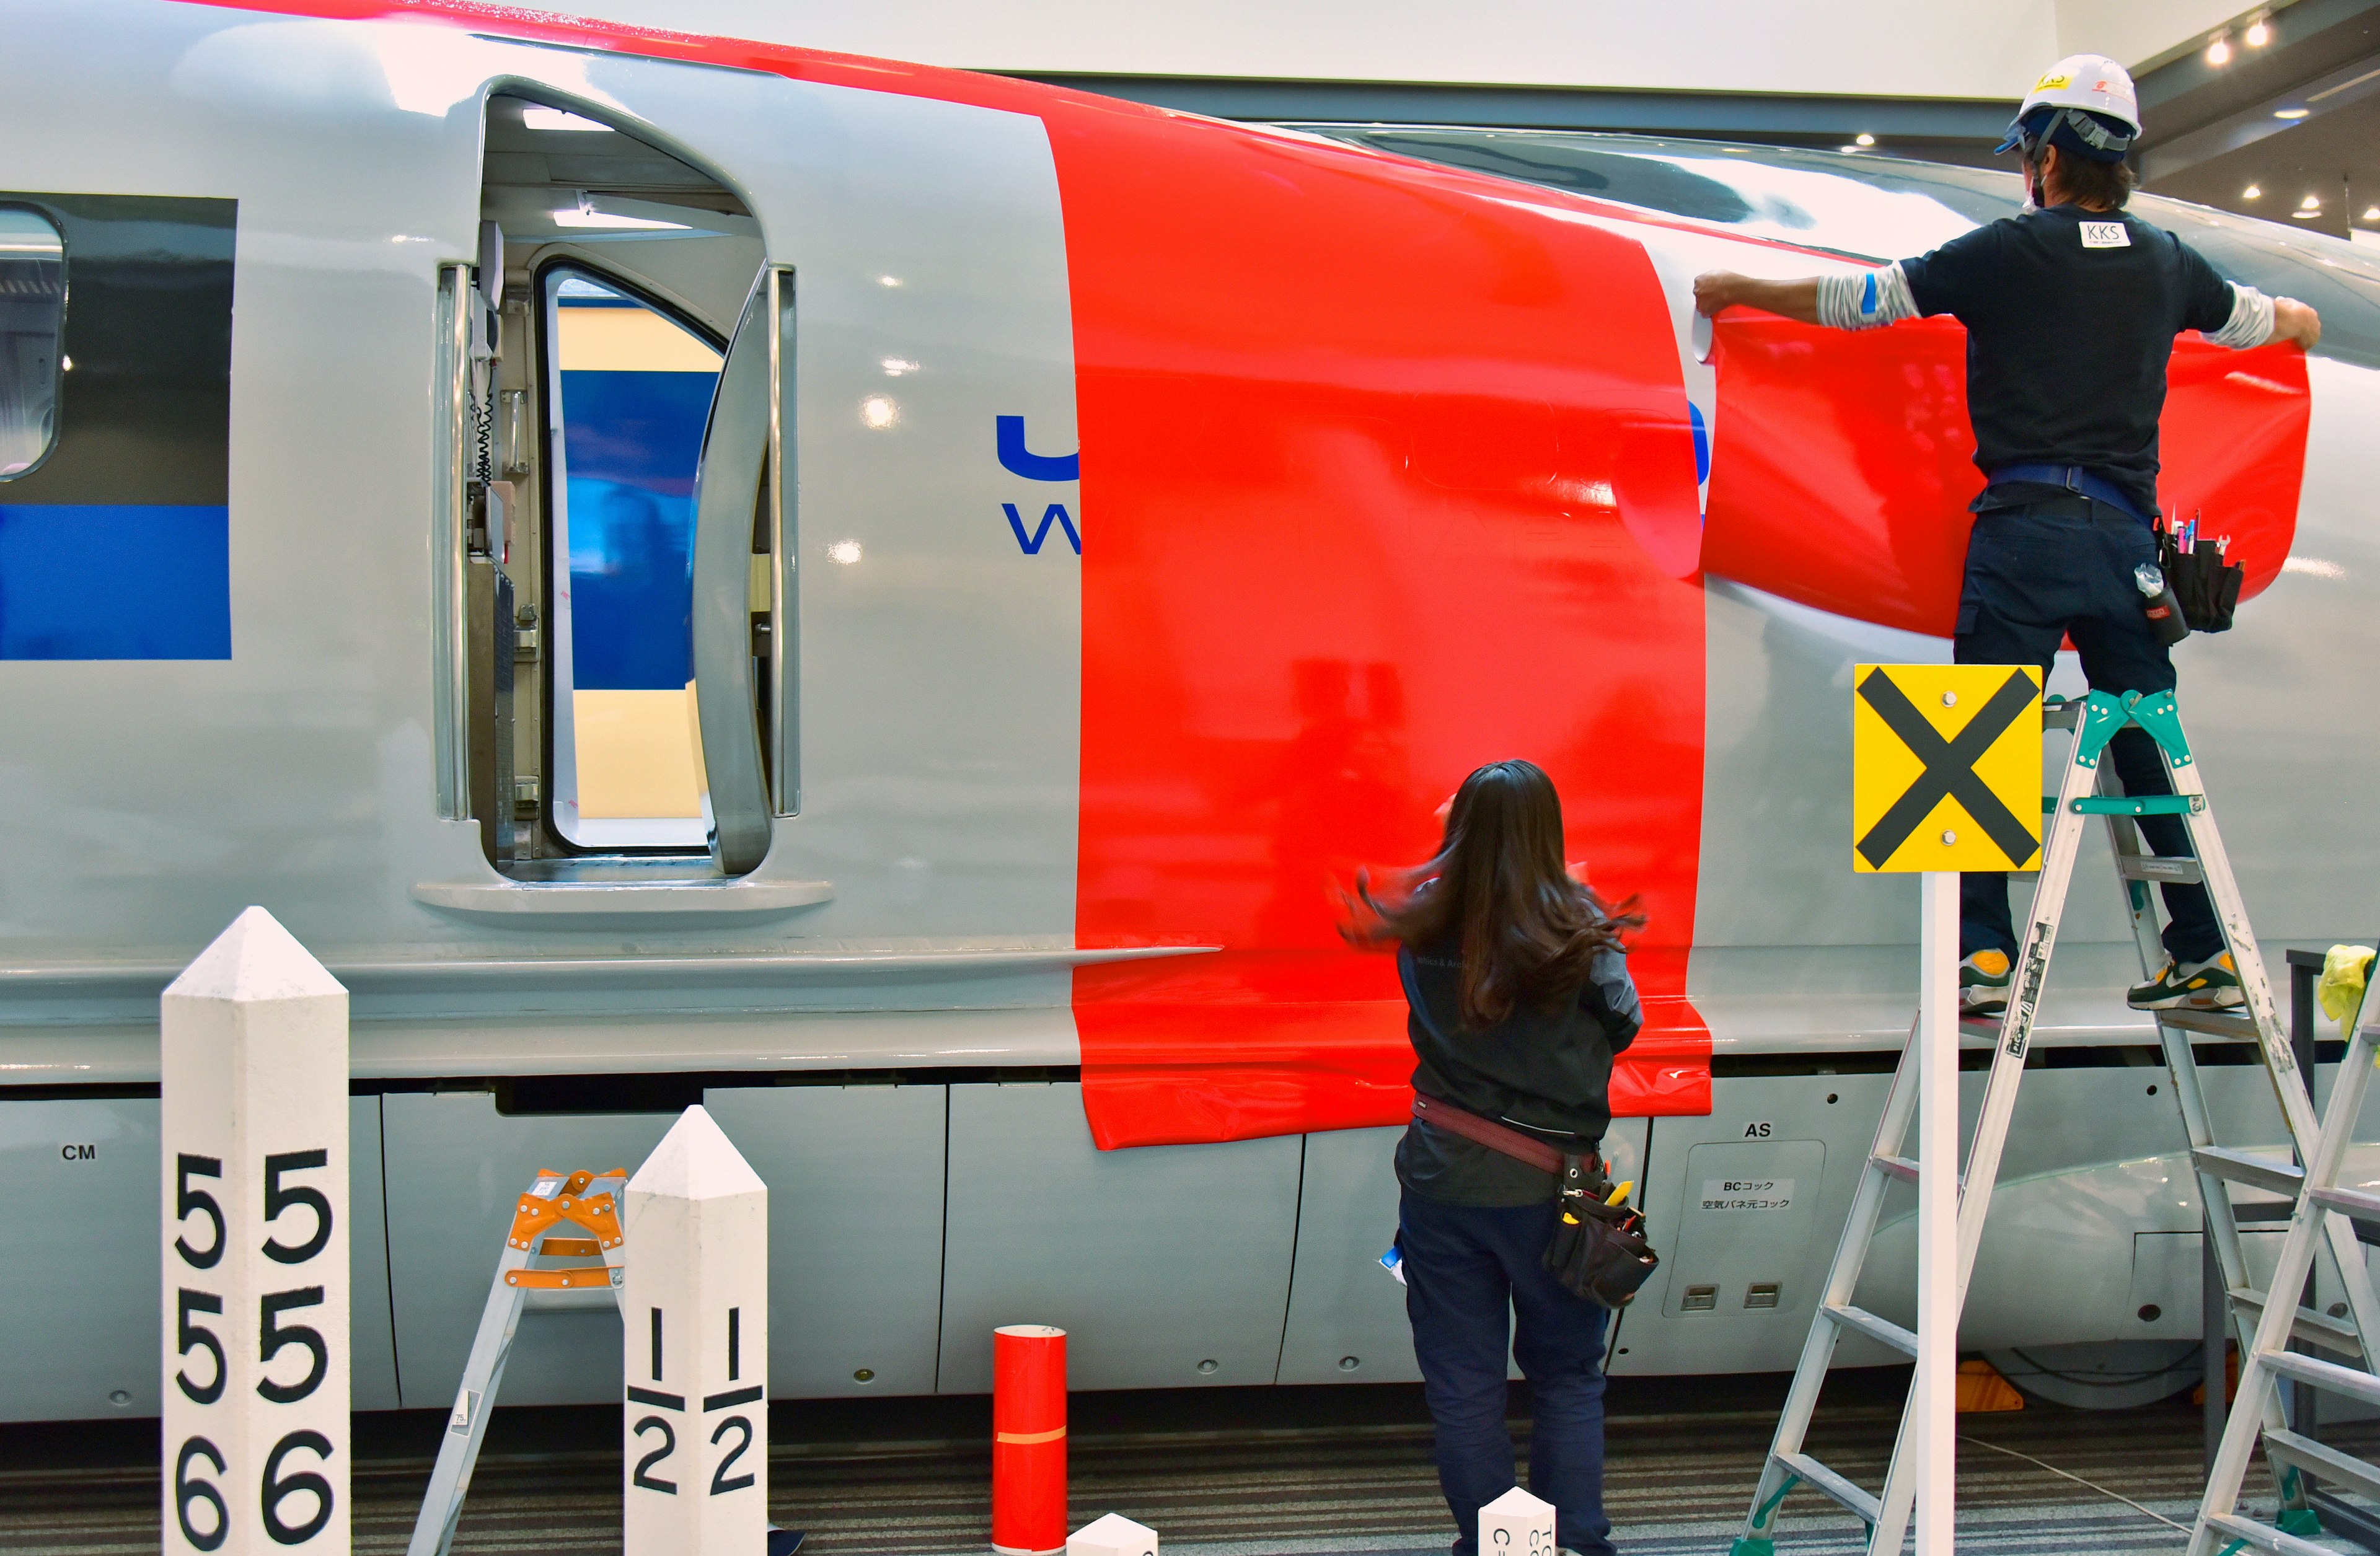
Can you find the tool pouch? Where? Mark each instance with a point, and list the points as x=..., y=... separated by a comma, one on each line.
x=1598, y=1251
x=2206, y=586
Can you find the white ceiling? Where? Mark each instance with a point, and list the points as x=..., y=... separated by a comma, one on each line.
x=1916, y=48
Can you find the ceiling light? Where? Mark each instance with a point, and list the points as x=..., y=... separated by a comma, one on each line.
x=879, y=412
x=2371, y=214
x=571, y=217
x=888, y=281
x=2219, y=51
x=896, y=366
x=534, y=117
x=2259, y=34
x=2312, y=202
x=2253, y=191
x=1864, y=138
x=2291, y=112
x=845, y=552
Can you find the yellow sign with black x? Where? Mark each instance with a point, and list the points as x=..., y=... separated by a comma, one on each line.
x=1946, y=767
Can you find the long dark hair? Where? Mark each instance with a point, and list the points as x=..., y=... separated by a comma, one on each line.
x=1499, y=885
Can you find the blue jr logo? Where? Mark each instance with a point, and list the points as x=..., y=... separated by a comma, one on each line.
x=1019, y=460
x=1032, y=543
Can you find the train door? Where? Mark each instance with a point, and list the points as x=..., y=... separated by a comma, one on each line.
x=881, y=674
x=599, y=393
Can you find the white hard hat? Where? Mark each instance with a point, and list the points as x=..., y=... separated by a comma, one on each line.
x=2087, y=94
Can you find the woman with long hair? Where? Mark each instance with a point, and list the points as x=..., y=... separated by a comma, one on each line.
x=1519, y=998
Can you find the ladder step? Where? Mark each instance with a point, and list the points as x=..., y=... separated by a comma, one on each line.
x=2148, y=805
x=2315, y=1329
x=1862, y=1506
x=2161, y=867
x=2213, y=1023
x=2323, y=1462
x=1895, y=1166
x=1883, y=1331
x=2355, y=1202
x=2262, y=1537
x=2239, y=1167
x=2325, y=1375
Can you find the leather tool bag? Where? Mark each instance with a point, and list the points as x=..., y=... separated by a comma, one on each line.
x=1598, y=1251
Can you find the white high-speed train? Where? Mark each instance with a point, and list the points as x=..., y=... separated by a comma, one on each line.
x=886, y=601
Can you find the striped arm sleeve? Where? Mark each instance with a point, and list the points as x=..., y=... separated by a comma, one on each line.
x=1866, y=301
x=2251, y=319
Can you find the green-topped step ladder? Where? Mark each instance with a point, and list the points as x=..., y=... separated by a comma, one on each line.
x=2087, y=789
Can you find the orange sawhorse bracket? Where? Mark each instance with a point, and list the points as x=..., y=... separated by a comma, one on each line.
x=556, y=1201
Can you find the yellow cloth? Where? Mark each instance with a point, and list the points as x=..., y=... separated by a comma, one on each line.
x=2344, y=969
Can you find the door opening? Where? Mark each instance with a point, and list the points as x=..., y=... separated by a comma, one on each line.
x=620, y=270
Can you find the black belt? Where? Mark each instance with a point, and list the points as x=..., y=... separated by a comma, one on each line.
x=2077, y=479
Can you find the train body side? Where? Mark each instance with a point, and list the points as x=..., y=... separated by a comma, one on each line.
x=1384, y=471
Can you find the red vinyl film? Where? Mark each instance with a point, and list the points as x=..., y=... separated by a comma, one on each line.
x=1842, y=464
x=1365, y=464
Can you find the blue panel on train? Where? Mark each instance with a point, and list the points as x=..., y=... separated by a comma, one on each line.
x=115, y=581
x=633, y=440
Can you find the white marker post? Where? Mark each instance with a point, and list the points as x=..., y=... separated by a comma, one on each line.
x=1936, y=1383
x=253, y=1060
x=1517, y=1523
x=695, y=1307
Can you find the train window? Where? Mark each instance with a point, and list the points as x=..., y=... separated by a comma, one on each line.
x=628, y=394
x=33, y=325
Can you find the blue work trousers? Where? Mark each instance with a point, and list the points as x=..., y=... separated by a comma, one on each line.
x=1469, y=1269
x=2063, y=568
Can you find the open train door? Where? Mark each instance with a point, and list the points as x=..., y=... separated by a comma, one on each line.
x=879, y=282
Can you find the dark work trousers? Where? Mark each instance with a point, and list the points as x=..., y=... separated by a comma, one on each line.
x=1466, y=1266
x=2063, y=568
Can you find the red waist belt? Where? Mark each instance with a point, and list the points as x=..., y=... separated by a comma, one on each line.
x=1495, y=1137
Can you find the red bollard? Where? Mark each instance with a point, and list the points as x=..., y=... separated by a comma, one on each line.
x=1028, y=1440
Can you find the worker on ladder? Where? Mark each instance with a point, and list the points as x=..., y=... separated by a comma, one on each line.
x=2071, y=308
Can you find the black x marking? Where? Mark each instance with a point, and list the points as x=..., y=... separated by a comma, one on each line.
x=1950, y=769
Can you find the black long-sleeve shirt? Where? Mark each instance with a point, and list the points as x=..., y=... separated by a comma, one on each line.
x=1546, y=1072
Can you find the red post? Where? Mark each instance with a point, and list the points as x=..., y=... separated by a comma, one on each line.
x=1028, y=1440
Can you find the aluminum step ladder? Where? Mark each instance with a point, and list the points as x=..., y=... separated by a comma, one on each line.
x=589, y=1202
x=2086, y=789
x=2323, y=1210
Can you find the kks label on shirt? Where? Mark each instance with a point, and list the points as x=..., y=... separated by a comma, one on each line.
x=2105, y=235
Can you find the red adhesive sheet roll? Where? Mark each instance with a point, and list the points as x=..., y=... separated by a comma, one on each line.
x=1028, y=1440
